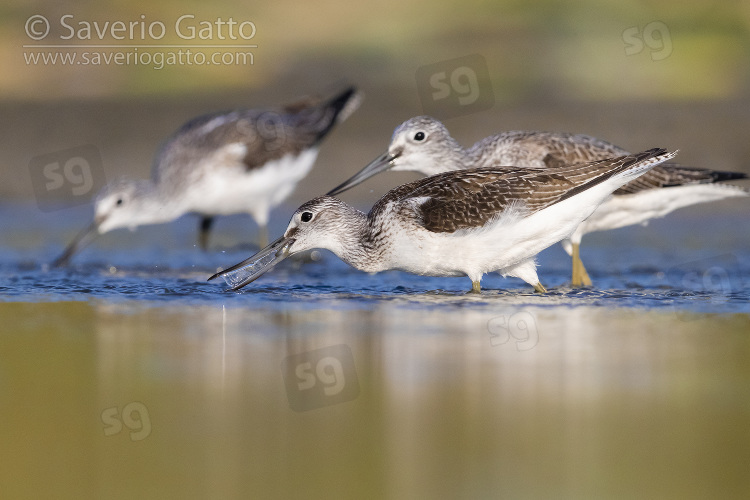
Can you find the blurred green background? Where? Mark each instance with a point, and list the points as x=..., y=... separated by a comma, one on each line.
x=553, y=65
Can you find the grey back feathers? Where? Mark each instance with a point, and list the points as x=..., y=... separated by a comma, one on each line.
x=265, y=135
x=545, y=150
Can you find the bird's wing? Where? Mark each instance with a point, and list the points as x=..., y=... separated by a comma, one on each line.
x=674, y=174
x=553, y=150
x=567, y=149
x=300, y=126
x=468, y=199
x=263, y=135
x=531, y=149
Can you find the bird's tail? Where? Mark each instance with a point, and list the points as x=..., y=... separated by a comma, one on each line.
x=638, y=164
x=322, y=115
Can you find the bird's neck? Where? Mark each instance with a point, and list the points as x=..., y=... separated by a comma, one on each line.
x=359, y=242
x=158, y=206
x=455, y=158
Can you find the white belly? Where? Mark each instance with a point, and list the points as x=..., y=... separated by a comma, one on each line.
x=234, y=190
x=509, y=241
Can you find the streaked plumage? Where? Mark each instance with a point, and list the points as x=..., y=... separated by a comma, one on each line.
x=243, y=161
x=423, y=144
x=460, y=223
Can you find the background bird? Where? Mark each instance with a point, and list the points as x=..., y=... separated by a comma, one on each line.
x=243, y=161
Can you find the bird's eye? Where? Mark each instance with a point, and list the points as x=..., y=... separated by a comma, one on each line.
x=306, y=216
x=419, y=136
x=118, y=202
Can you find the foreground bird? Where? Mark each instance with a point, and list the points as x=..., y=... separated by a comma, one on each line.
x=424, y=145
x=460, y=223
x=245, y=161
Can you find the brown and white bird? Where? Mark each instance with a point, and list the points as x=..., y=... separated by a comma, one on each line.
x=459, y=223
x=243, y=161
x=424, y=145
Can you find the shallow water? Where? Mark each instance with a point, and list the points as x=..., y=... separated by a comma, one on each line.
x=129, y=375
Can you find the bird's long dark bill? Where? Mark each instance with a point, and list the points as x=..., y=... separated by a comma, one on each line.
x=81, y=240
x=379, y=164
x=256, y=266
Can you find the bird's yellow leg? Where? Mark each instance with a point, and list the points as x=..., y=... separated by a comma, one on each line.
x=584, y=275
x=475, y=287
x=539, y=288
x=580, y=276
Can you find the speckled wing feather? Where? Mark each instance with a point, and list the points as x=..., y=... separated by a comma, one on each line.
x=672, y=174
x=468, y=199
x=529, y=149
x=550, y=150
x=263, y=135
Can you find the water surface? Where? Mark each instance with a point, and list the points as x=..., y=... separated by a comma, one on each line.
x=128, y=375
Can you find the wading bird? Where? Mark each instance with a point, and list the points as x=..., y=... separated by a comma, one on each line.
x=458, y=223
x=244, y=161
